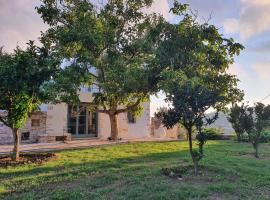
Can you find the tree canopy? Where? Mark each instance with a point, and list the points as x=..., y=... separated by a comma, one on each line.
x=236, y=118
x=23, y=73
x=196, y=57
x=114, y=44
x=255, y=122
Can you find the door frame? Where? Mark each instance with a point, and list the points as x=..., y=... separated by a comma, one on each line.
x=86, y=134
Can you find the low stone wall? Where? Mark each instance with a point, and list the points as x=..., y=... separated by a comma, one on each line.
x=159, y=131
x=54, y=138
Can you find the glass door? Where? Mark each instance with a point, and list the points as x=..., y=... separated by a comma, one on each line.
x=81, y=122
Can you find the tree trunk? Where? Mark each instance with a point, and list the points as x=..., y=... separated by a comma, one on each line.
x=238, y=135
x=201, y=148
x=196, y=167
x=16, y=151
x=114, y=126
x=194, y=159
x=255, y=146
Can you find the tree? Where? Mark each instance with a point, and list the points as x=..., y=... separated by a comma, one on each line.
x=22, y=74
x=196, y=57
x=205, y=134
x=115, y=44
x=236, y=118
x=256, y=121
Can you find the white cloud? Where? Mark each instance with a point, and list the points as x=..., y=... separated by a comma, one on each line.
x=262, y=69
x=231, y=25
x=256, y=2
x=254, y=19
x=161, y=7
x=239, y=71
x=19, y=23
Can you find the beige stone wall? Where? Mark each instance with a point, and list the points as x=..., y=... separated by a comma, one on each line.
x=36, y=130
x=140, y=129
x=53, y=123
x=56, y=123
x=158, y=130
x=6, y=136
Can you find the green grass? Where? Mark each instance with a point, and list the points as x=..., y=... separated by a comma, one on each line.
x=132, y=171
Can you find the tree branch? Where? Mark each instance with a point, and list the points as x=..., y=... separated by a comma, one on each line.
x=129, y=107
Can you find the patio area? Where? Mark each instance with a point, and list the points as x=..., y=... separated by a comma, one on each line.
x=75, y=144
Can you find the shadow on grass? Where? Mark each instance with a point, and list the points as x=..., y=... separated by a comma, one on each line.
x=57, y=173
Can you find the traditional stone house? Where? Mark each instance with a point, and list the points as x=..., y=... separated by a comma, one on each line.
x=57, y=122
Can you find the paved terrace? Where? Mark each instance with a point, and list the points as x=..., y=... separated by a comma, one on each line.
x=75, y=144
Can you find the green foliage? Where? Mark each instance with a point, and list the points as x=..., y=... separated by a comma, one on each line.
x=236, y=118
x=255, y=122
x=206, y=134
x=113, y=45
x=212, y=133
x=196, y=57
x=265, y=136
x=23, y=74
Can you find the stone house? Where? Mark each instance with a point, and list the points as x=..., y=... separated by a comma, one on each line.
x=57, y=122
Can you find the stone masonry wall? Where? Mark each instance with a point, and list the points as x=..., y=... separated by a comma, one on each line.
x=35, y=126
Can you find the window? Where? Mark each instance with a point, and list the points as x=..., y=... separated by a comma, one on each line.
x=35, y=123
x=131, y=118
x=25, y=136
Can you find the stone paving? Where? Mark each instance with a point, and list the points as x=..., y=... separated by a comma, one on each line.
x=75, y=144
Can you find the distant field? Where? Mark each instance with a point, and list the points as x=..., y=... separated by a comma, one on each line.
x=133, y=171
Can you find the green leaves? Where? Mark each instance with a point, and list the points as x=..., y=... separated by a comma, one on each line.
x=23, y=74
x=117, y=40
x=253, y=120
x=195, y=58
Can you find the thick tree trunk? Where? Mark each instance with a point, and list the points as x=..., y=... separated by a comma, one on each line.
x=114, y=126
x=16, y=151
x=194, y=159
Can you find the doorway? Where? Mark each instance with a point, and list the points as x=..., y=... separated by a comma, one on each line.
x=82, y=122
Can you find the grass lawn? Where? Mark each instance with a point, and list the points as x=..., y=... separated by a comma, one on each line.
x=133, y=171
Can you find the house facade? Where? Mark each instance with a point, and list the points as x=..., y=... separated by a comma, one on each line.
x=58, y=122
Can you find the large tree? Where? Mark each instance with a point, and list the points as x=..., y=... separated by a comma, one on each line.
x=22, y=73
x=195, y=80
x=115, y=43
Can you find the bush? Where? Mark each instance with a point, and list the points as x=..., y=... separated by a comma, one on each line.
x=212, y=133
x=265, y=137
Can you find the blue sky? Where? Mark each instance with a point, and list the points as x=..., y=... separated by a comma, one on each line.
x=247, y=21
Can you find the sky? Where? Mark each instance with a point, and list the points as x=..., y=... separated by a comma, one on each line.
x=247, y=21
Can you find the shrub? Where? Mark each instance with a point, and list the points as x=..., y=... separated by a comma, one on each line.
x=265, y=137
x=212, y=133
